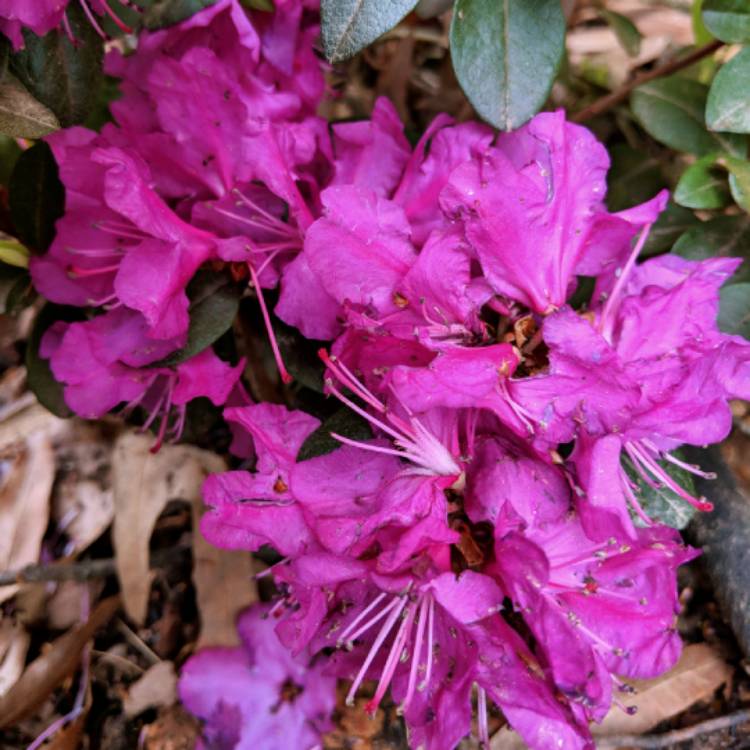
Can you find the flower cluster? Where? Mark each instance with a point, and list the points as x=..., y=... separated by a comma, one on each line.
x=479, y=544
x=486, y=545
x=213, y=163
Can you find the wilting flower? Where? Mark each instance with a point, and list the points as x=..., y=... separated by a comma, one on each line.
x=258, y=695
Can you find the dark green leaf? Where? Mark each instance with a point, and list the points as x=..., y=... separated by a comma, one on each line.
x=728, y=105
x=266, y=5
x=343, y=422
x=5, y=50
x=728, y=20
x=210, y=317
x=21, y=115
x=63, y=76
x=300, y=355
x=9, y=153
x=739, y=180
x=20, y=296
x=633, y=178
x=660, y=503
x=164, y=13
x=39, y=376
x=734, y=309
x=350, y=25
x=703, y=185
x=670, y=225
x=506, y=55
x=724, y=236
x=671, y=110
x=37, y=197
x=625, y=30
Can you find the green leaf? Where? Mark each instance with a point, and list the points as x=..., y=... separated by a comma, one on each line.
x=37, y=197
x=701, y=34
x=21, y=115
x=625, y=30
x=210, y=318
x=671, y=110
x=343, y=422
x=633, y=177
x=722, y=237
x=39, y=376
x=63, y=76
x=13, y=252
x=432, y=8
x=506, y=54
x=266, y=5
x=9, y=153
x=163, y=13
x=21, y=295
x=728, y=105
x=350, y=25
x=739, y=180
x=671, y=224
x=703, y=185
x=728, y=20
x=660, y=503
x=734, y=309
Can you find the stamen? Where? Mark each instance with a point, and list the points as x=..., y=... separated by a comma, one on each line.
x=382, y=635
x=667, y=456
x=347, y=378
x=633, y=500
x=68, y=31
x=518, y=410
x=393, y=659
x=372, y=621
x=77, y=271
x=421, y=624
x=366, y=611
x=92, y=19
x=116, y=19
x=430, y=645
x=484, y=730
x=285, y=376
x=606, y=321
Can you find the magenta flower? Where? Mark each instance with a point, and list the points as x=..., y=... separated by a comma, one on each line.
x=257, y=695
x=112, y=360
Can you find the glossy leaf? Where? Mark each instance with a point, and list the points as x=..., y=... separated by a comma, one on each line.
x=37, y=197
x=633, y=177
x=343, y=422
x=724, y=236
x=734, y=309
x=703, y=185
x=13, y=252
x=660, y=503
x=21, y=115
x=739, y=180
x=728, y=20
x=348, y=26
x=210, y=318
x=700, y=32
x=62, y=75
x=39, y=376
x=728, y=105
x=671, y=224
x=163, y=13
x=506, y=55
x=671, y=110
x=625, y=30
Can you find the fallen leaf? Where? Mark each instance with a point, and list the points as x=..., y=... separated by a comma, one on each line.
x=154, y=689
x=143, y=483
x=47, y=671
x=175, y=729
x=224, y=586
x=14, y=644
x=27, y=472
x=83, y=503
x=697, y=675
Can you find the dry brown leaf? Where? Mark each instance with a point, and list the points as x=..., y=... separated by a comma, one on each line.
x=174, y=729
x=83, y=503
x=28, y=473
x=156, y=688
x=14, y=644
x=143, y=483
x=697, y=675
x=224, y=585
x=46, y=672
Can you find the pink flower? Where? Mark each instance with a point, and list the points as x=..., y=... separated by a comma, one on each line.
x=257, y=694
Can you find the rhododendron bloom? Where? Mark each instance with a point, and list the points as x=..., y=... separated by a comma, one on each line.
x=257, y=695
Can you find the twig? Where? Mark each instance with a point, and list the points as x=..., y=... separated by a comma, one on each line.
x=670, y=739
x=138, y=643
x=610, y=100
x=82, y=570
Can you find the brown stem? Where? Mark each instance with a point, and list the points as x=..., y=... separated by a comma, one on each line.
x=81, y=570
x=610, y=100
x=672, y=739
